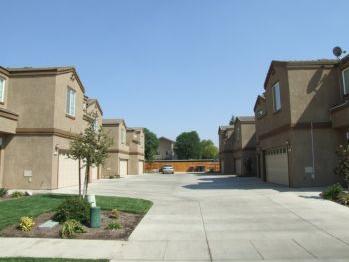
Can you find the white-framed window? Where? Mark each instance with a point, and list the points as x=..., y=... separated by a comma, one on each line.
x=95, y=125
x=276, y=97
x=123, y=136
x=2, y=90
x=345, y=75
x=71, y=97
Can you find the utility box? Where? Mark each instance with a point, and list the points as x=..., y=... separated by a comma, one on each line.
x=95, y=217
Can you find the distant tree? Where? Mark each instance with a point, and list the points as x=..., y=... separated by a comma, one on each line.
x=151, y=145
x=232, y=120
x=208, y=149
x=188, y=146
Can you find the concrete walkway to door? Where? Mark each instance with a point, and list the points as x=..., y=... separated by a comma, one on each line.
x=211, y=218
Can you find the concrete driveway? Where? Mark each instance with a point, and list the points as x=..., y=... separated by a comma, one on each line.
x=211, y=218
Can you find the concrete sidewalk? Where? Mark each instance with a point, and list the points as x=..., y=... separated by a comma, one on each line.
x=211, y=218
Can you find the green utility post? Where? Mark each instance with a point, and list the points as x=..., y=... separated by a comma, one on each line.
x=95, y=217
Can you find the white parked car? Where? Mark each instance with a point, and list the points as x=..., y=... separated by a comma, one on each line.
x=167, y=170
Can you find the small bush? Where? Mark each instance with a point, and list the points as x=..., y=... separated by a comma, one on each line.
x=343, y=198
x=115, y=225
x=332, y=192
x=3, y=192
x=17, y=194
x=114, y=213
x=26, y=224
x=70, y=228
x=73, y=208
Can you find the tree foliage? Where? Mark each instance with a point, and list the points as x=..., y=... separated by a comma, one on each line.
x=151, y=144
x=90, y=147
x=208, y=149
x=342, y=168
x=188, y=146
x=232, y=120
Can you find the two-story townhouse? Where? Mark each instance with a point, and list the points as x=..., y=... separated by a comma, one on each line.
x=226, y=159
x=41, y=109
x=135, y=140
x=121, y=160
x=244, y=146
x=166, y=149
x=295, y=140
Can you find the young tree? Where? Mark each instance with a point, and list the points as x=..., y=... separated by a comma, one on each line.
x=342, y=168
x=151, y=144
x=208, y=149
x=90, y=147
x=187, y=146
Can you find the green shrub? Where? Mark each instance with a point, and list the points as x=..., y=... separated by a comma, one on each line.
x=17, y=194
x=114, y=213
x=26, y=224
x=332, y=192
x=73, y=208
x=70, y=228
x=3, y=192
x=115, y=225
x=343, y=198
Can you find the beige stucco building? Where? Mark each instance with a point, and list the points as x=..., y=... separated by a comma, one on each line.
x=237, y=147
x=41, y=110
x=301, y=118
x=166, y=149
x=126, y=155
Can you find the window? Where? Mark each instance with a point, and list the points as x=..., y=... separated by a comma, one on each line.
x=71, y=94
x=123, y=136
x=2, y=90
x=277, y=97
x=95, y=125
x=345, y=74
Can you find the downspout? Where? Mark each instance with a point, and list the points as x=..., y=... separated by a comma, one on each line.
x=312, y=149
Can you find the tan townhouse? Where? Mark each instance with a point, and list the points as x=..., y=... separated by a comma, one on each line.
x=226, y=159
x=166, y=149
x=244, y=146
x=41, y=110
x=301, y=118
x=126, y=155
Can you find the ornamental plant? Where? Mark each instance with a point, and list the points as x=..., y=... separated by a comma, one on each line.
x=342, y=168
x=26, y=224
x=332, y=192
x=73, y=208
x=114, y=225
x=70, y=228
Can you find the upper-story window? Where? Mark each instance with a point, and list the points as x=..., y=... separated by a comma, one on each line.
x=95, y=125
x=2, y=90
x=276, y=97
x=345, y=74
x=71, y=97
x=123, y=136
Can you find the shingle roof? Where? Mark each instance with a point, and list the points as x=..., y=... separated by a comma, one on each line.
x=165, y=138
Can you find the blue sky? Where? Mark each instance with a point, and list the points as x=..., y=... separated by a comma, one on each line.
x=171, y=65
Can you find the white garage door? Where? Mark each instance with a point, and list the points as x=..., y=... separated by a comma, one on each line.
x=123, y=167
x=276, y=162
x=140, y=167
x=68, y=171
x=94, y=173
x=238, y=166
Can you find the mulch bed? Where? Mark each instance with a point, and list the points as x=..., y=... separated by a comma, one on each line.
x=128, y=221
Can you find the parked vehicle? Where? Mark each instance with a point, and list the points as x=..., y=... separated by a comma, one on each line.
x=167, y=169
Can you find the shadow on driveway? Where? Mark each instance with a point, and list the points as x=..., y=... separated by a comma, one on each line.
x=242, y=183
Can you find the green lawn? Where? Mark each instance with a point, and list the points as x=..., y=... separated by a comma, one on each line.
x=12, y=210
x=31, y=259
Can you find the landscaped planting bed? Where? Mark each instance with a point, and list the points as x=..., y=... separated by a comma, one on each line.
x=42, y=208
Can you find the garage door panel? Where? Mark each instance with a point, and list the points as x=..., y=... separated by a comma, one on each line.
x=140, y=167
x=277, y=166
x=123, y=167
x=68, y=171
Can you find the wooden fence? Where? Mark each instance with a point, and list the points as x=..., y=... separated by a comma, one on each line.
x=184, y=165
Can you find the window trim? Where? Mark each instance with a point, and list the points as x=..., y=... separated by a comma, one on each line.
x=274, y=97
x=2, y=98
x=70, y=91
x=345, y=92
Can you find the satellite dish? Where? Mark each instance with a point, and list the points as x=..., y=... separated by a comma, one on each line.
x=337, y=51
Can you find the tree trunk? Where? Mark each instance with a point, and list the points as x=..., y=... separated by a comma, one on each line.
x=79, y=177
x=87, y=175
